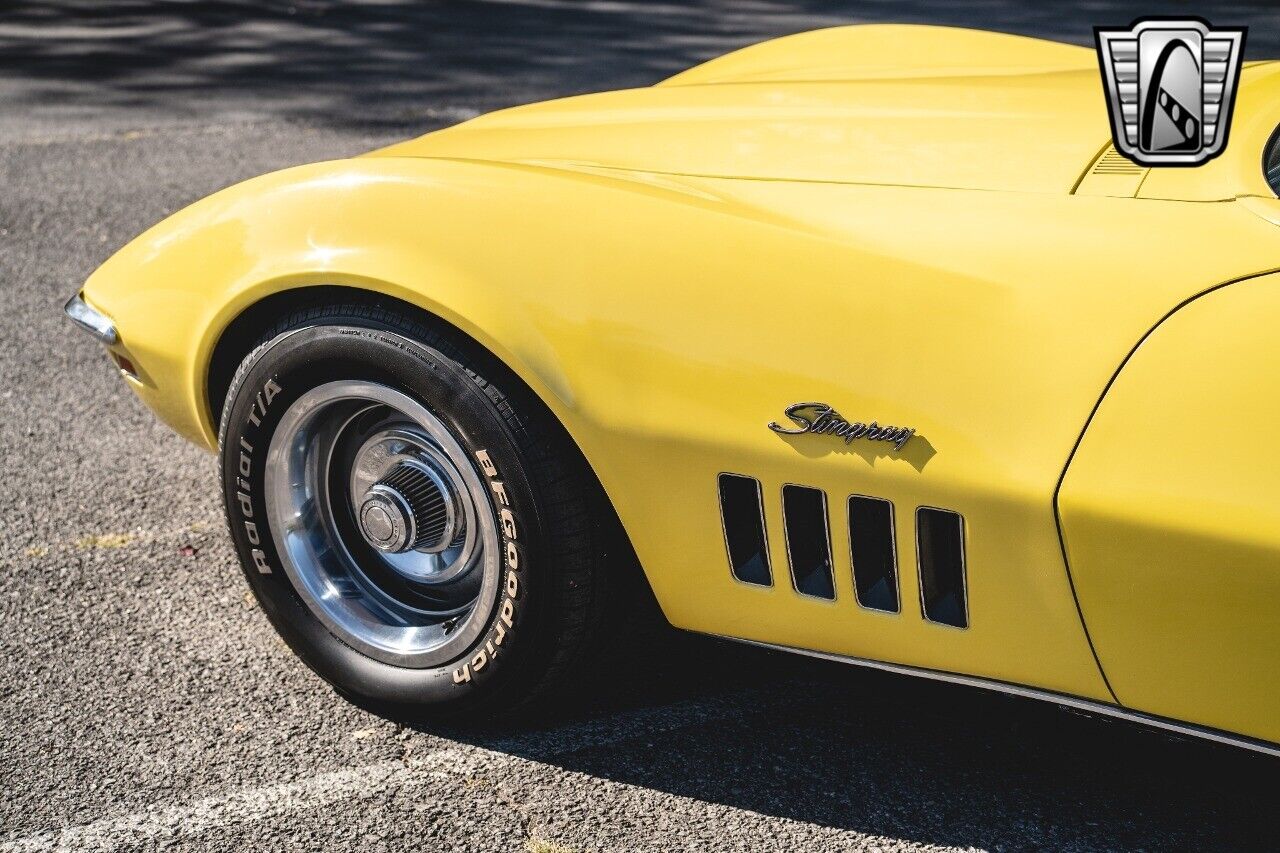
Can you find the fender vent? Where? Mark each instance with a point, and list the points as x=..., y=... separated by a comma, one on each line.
x=804, y=521
x=873, y=552
x=940, y=552
x=742, y=514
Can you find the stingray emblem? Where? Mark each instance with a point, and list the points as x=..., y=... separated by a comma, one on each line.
x=1170, y=86
x=823, y=418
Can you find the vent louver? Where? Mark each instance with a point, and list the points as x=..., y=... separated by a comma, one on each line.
x=940, y=552
x=873, y=552
x=1112, y=162
x=742, y=514
x=804, y=519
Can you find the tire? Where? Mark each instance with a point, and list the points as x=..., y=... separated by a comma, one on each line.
x=295, y=474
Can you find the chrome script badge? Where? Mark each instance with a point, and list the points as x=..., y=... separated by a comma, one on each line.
x=1170, y=85
x=822, y=418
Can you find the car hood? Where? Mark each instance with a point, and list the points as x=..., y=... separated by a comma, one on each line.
x=898, y=105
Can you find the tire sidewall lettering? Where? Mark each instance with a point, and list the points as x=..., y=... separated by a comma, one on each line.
x=247, y=466
x=509, y=607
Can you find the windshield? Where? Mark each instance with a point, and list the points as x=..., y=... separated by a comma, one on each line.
x=1271, y=161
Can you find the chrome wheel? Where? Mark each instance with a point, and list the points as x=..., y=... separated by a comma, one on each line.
x=382, y=523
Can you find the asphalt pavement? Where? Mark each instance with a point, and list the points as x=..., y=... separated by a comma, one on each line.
x=144, y=700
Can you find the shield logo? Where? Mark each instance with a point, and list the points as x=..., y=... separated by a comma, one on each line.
x=1171, y=85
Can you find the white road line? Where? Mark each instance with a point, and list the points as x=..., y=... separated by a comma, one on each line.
x=246, y=805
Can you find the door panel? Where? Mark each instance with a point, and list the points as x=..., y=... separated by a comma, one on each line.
x=1171, y=516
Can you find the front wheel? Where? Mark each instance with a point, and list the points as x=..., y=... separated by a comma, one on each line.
x=417, y=537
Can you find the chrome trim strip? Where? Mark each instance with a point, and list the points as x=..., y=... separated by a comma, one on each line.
x=1063, y=699
x=94, y=322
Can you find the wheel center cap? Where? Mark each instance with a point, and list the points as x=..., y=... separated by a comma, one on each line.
x=378, y=523
x=410, y=508
x=385, y=520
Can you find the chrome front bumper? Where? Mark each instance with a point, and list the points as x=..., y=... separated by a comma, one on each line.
x=91, y=320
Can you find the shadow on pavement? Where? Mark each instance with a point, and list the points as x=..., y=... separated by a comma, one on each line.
x=894, y=756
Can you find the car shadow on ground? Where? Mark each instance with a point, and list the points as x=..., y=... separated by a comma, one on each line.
x=888, y=755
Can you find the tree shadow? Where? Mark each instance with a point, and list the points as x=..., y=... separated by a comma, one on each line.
x=423, y=64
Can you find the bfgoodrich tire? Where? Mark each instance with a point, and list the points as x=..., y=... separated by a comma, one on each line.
x=421, y=539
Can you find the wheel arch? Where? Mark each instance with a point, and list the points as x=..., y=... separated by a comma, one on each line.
x=256, y=319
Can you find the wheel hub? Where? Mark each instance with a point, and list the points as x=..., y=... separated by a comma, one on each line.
x=384, y=521
x=411, y=508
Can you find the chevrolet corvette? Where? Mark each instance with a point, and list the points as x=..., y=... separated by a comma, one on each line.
x=863, y=343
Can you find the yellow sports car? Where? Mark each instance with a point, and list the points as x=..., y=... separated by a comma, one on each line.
x=864, y=342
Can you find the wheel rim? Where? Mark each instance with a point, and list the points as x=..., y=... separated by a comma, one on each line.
x=382, y=523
